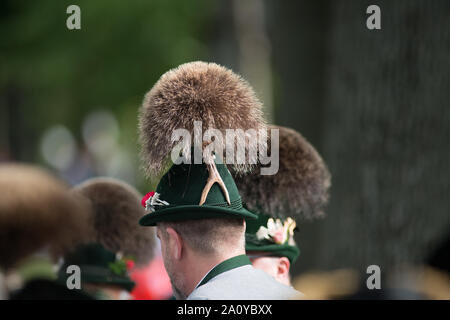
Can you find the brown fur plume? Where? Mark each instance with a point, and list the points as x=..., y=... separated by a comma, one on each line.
x=116, y=210
x=196, y=91
x=300, y=187
x=36, y=211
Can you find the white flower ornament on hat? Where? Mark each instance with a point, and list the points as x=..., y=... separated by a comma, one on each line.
x=151, y=199
x=276, y=231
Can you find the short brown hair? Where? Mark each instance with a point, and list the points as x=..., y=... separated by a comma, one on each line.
x=209, y=236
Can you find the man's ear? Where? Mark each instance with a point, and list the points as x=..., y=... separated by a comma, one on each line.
x=283, y=267
x=175, y=242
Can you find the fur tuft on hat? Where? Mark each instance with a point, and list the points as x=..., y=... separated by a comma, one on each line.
x=196, y=91
x=300, y=187
x=116, y=210
x=37, y=212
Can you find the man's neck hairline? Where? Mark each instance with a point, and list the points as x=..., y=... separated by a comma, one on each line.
x=206, y=264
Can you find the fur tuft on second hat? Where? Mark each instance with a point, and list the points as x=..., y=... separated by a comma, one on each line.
x=115, y=213
x=300, y=187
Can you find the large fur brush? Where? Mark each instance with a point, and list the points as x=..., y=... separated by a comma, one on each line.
x=300, y=187
x=196, y=91
x=37, y=212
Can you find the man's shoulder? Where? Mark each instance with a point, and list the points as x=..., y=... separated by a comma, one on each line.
x=244, y=283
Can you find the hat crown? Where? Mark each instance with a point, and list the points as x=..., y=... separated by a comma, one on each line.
x=93, y=254
x=98, y=265
x=179, y=196
x=183, y=185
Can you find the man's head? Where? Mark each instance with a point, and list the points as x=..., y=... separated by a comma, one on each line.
x=189, y=245
x=113, y=243
x=194, y=237
x=277, y=267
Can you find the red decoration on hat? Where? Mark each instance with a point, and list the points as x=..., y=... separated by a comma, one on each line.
x=146, y=197
x=130, y=264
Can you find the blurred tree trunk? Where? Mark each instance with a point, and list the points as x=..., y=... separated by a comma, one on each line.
x=386, y=134
x=254, y=49
x=298, y=31
x=13, y=138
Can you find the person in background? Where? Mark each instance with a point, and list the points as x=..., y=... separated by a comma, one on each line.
x=114, y=244
x=298, y=190
x=39, y=221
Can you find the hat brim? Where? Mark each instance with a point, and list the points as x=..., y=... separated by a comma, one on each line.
x=193, y=212
x=277, y=250
x=96, y=275
x=122, y=282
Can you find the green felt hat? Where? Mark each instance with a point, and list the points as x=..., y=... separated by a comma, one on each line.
x=98, y=266
x=261, y=236
x=179, y=194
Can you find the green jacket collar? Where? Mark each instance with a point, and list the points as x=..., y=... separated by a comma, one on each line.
x=227, y=265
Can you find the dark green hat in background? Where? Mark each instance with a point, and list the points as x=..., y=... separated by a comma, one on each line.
x=179, y=192
x=99, y=266
x=298, y=190
x=112, y=241
x=114, y=211
x=272, y=236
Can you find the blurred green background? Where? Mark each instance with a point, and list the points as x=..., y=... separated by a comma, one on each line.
x=374, y=103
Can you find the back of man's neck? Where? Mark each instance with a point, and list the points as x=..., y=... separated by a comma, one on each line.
x=204, y=264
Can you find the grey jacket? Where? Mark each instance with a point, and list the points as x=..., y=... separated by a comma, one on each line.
x=243, y=283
